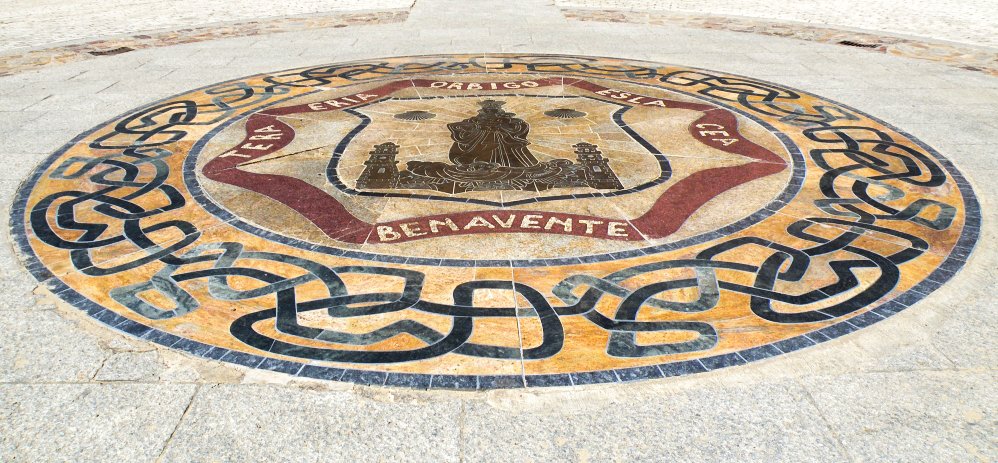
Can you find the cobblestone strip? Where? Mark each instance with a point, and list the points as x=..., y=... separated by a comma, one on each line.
x=33, y=59
x=957, y=55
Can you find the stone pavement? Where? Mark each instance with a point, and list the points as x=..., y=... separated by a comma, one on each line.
x=970, y=22
x=918, y=386
x=34, y=23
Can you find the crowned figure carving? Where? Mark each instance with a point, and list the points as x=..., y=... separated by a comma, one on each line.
x=493, y=136
x=489, y=152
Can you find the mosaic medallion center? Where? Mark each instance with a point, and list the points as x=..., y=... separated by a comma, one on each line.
x=544, y=166
x=461, y=221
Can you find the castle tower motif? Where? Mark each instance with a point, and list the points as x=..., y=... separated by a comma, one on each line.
x=381, y=170
x=597, y=169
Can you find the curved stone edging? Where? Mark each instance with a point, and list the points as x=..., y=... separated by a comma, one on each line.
x=961, y=56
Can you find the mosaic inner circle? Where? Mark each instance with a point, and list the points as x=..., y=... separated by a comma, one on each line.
x=493, y=221
x=543, y=166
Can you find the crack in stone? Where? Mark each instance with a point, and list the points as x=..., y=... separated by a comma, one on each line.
x=166, y=444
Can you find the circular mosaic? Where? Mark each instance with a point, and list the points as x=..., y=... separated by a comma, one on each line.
x=494, y=221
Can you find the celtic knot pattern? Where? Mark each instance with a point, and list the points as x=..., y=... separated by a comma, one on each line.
x=873, y=202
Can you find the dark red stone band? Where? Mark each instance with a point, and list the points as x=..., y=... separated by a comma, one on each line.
x=716, y=128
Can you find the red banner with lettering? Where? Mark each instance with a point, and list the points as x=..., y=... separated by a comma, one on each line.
x=717, y=128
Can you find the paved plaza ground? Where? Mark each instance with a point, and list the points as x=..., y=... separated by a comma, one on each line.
x=528, y=230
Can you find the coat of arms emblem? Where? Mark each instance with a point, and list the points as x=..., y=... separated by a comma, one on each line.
x=410, y=160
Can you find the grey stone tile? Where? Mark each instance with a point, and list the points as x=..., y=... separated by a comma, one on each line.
x=943, y=135
x=962, y=331
x=12, y=120
x=16, y=286
x=46, y=141
x=650, y=423
x=315, y=425
x=89, y=422
x=21, y=101
x=130, y=366
x=107, y=102
x=911, y=416
x=43, y=346
x=14, y=172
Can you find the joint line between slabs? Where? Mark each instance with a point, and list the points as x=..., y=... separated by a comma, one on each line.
x=831, y=430
x=166, y=444
x=519, y=329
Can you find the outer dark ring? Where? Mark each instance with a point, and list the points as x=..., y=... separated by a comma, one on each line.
x=952, y=263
